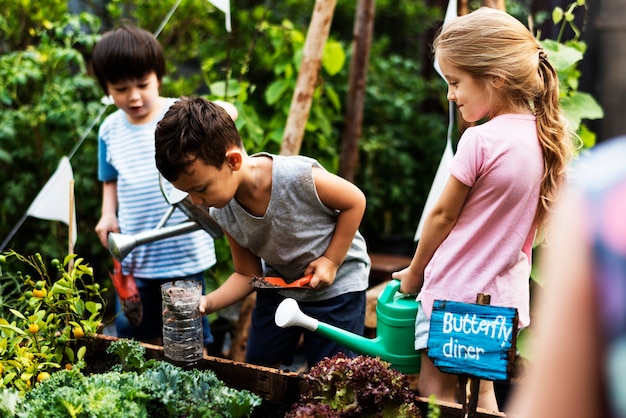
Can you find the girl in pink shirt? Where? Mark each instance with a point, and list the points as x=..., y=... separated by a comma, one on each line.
x=504, y=177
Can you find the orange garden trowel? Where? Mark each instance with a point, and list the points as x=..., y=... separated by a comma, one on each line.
x=280, y=283
x=126, y=288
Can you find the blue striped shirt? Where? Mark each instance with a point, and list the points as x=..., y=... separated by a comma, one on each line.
x=126, y=154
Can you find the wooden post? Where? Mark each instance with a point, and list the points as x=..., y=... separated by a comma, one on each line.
x=239, y=343
x=495, y=4
x=363, y=30
x=463, y=7
x=473, y=383
x=307, y=77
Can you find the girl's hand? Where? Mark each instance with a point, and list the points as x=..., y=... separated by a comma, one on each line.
x=410, y=283
x=324, y=271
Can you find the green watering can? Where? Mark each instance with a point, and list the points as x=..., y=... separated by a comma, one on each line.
x=395, y=330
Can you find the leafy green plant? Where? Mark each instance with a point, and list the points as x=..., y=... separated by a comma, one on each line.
x=434, y=410
x=49, y=325
x=283, y=55
x=47, y=101
x=565, y=56
x=141, y=388
x=403, y=139
x=131, y=355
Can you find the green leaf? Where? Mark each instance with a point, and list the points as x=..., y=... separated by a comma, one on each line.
x=557, y=15
x=93, y=307
x=13, y=328
x=275, y=91
x=17, y=313
x=584, y=105
x=561, y=56
x=81, y=352
x=334, y=57
x=79, y=306
x=60, y=288
x=69, y=353
x=333, y=97
x=579, y=106
x=8, y=377
x=588, y=137
x=219, y=89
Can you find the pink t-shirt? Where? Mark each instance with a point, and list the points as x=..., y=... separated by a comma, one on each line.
x=489, y=248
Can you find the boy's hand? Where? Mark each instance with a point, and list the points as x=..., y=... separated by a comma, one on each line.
x=323, y=270
x=205, y=305
x=106, y=224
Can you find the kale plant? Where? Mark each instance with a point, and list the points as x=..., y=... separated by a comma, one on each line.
x=152, y=389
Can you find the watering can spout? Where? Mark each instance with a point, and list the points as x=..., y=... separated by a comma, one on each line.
x=288, y=314
x=395, y=331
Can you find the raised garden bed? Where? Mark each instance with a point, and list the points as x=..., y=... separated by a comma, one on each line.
x=279, y=389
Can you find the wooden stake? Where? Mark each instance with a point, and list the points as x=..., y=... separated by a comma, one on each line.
x=495, y=4
x=307, y=77
x=473, y=383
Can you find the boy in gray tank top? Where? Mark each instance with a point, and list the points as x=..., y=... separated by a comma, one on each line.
x=282, y=216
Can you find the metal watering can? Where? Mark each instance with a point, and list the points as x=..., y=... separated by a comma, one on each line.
x=395, y=329
x=120, y=245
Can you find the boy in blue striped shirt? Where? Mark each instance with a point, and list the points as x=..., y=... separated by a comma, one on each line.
x=129, y=64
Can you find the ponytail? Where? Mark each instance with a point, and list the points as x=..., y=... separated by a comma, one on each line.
x=553, y=136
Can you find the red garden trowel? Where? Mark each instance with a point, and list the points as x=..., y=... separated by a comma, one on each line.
x=126, y=288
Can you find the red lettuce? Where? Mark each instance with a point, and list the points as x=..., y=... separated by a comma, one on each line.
x=343, y=387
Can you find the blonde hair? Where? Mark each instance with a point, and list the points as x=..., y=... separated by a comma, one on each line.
x=492, y=45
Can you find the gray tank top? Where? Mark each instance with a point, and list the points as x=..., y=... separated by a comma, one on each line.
x=296, y=229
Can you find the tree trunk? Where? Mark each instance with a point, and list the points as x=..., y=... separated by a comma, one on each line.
x=363, y=30
x=496, y=4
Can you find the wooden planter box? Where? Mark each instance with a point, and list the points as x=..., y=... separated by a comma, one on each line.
x=279, y=389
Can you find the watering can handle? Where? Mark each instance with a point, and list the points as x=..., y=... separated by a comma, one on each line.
x=391, y=292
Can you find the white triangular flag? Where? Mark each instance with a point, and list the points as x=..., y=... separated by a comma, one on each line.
x=53, y=201
x=442, y=175
x=441, y=178
x=223, y=5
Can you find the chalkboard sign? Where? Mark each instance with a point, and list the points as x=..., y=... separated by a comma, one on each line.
x=471, y=339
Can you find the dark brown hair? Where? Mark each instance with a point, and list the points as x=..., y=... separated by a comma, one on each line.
x=127, y=53
x=193, y=127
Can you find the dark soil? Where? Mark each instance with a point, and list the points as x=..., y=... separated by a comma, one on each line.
x=97, y=359
x=270, y=409
x=261, y=283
